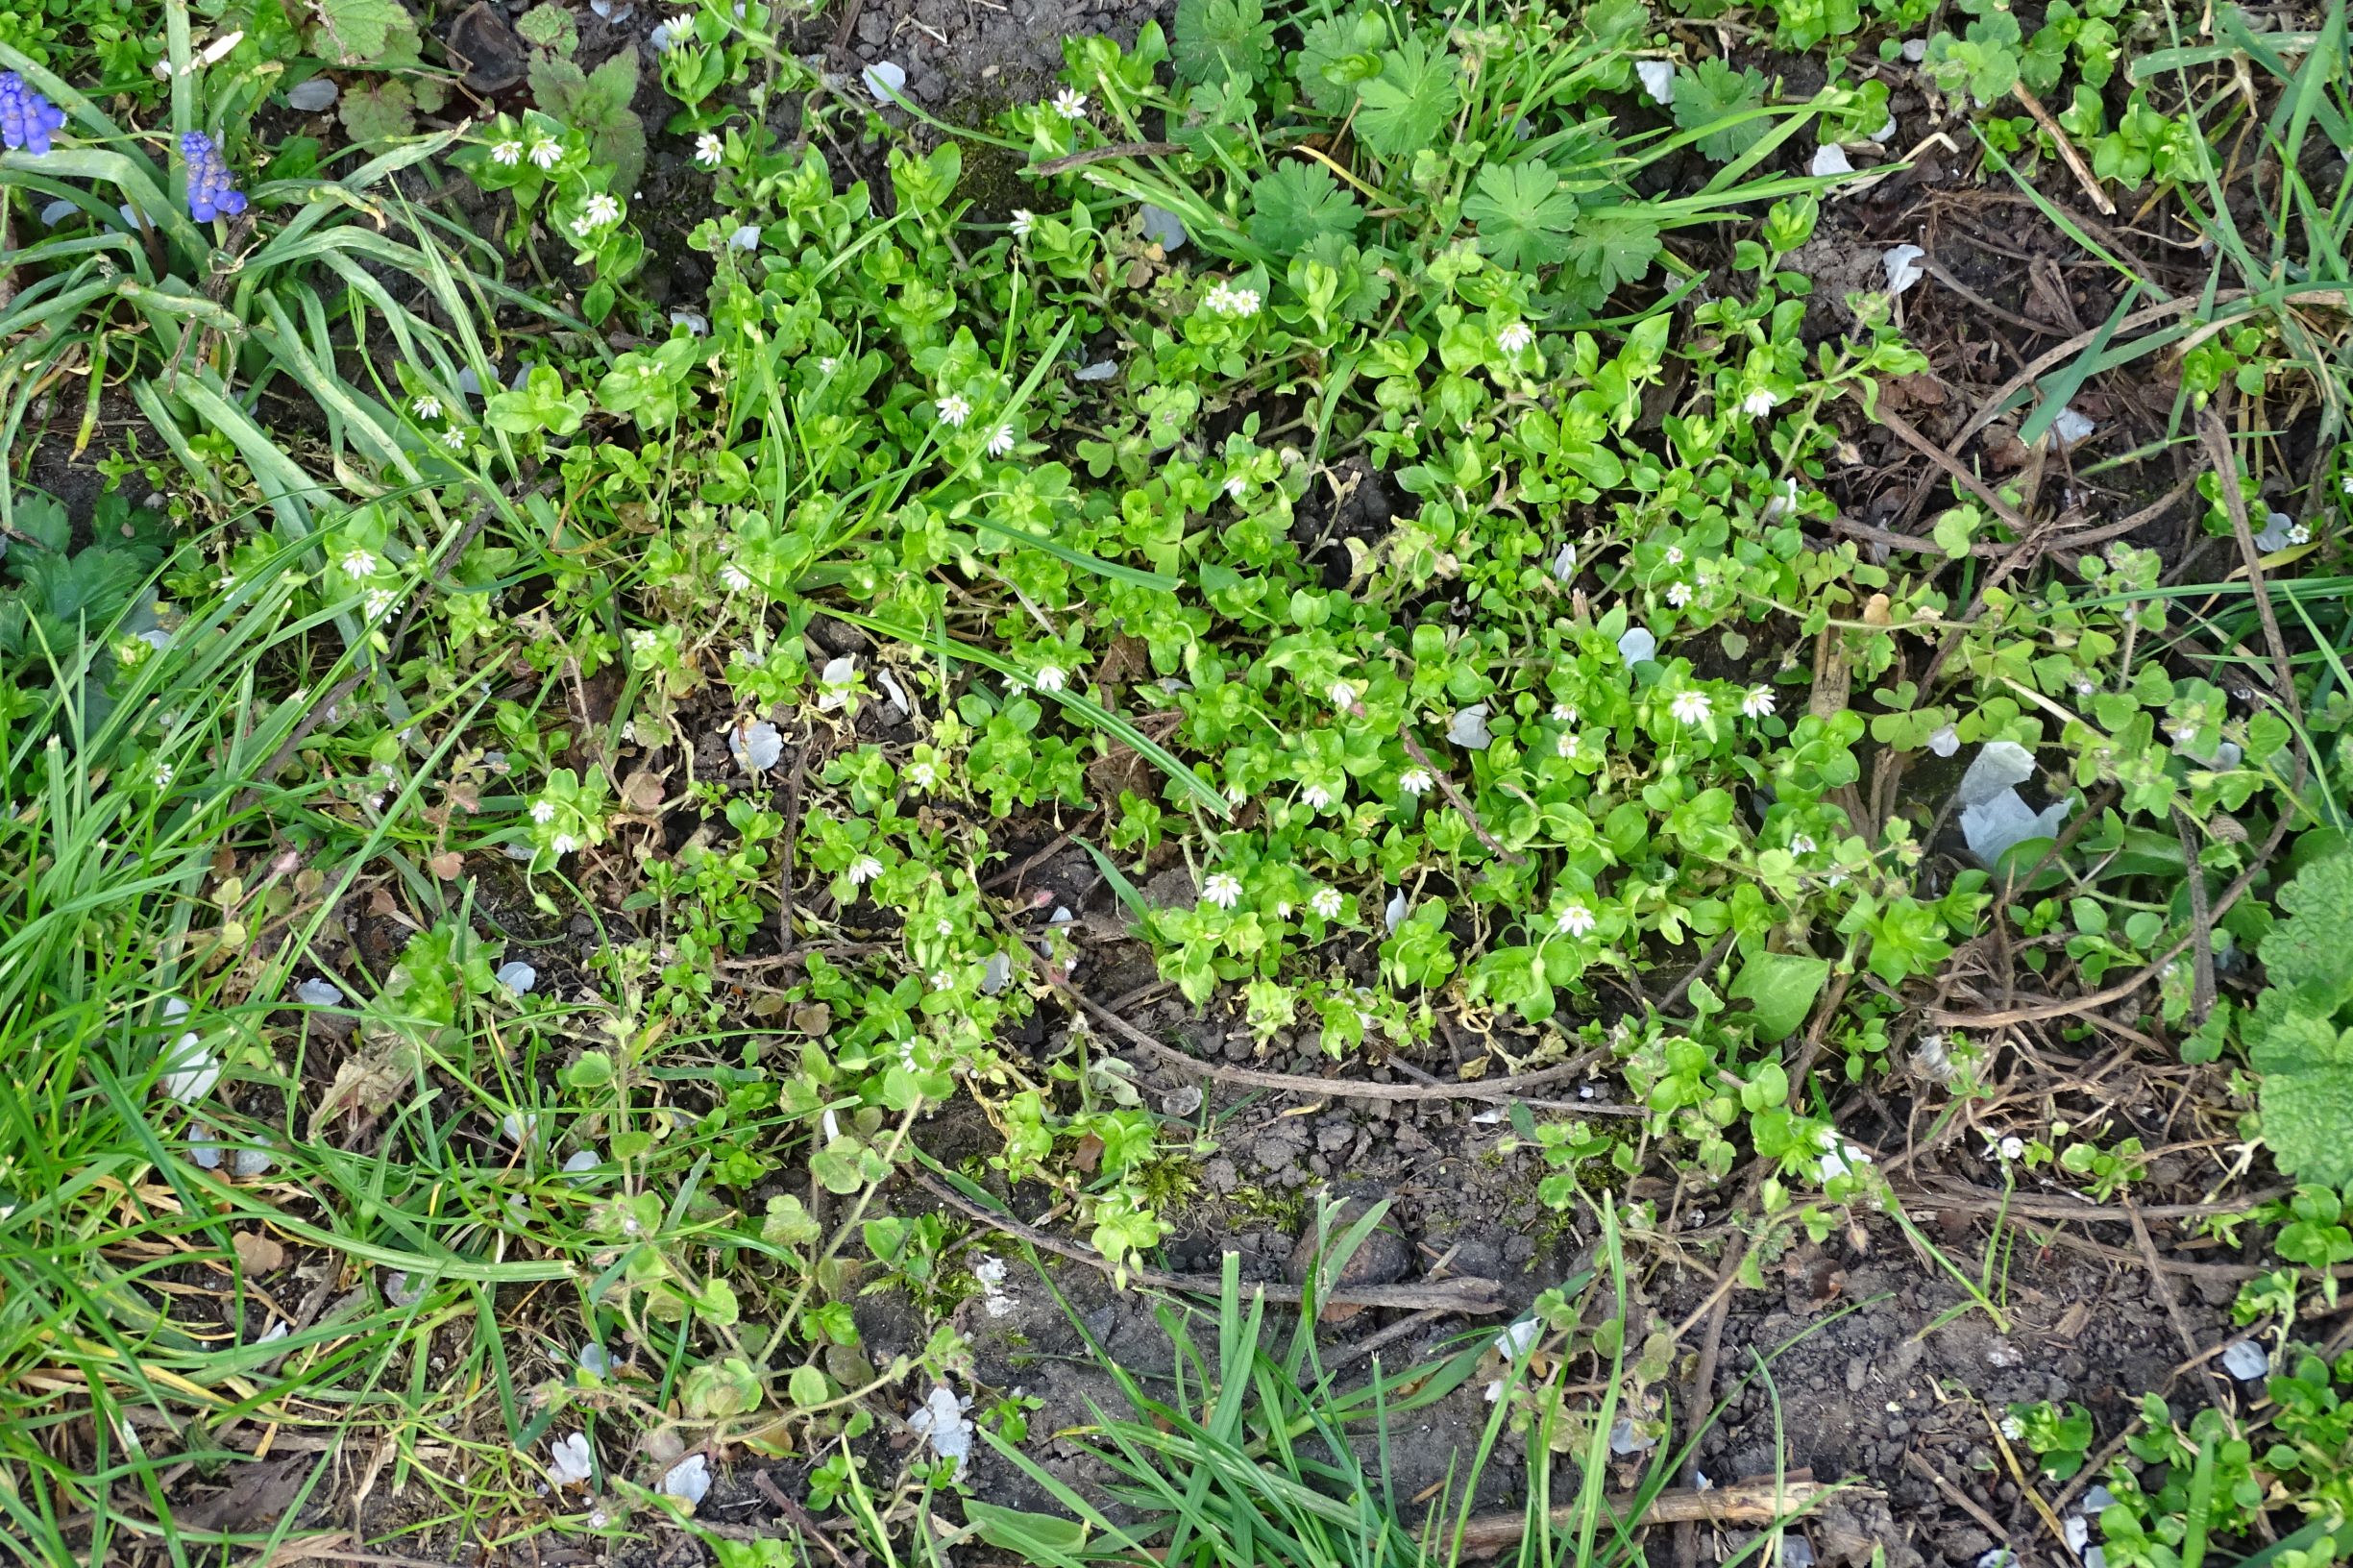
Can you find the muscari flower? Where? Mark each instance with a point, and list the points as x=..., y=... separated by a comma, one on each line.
x=27, y=119
x=213, y=190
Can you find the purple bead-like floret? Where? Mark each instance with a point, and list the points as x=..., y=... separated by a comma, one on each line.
x=213, y=190
x=27, y=119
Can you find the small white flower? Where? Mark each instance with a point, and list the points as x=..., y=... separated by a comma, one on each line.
x=1690, y=707
x=829, y=364
x=1225, y=300
x=427, y=405
x=1001, y=441
x=1515, y=338
x=1758, y=704
x=1316, y=796
x=736, y=578
x=1051, y=678
x=1575, y=920
x=945, y=926
x=1343, y=695
x=954, y=410
x=545, y=154
x=1237, y=487
x=1069, y=102
x=1565, y=746
x=162, y=774
x=1800, y=843
x=2013, y=1428
x=1022, y=220
x=942, y=980
x=1222, y=889
x=1327, y=903
x=1674, y=554
x=1564, y=714
x=506, y=153
x=454, y=438
x=543, y=812
x=1416, y=781
x=601, y=209
x=863, y=869
x=2300, y=534
x=682, y=29
x=2012, y=1147
x=565, y=843
x=922, y=775
x=745, y=238
x=1678, y=593
x=358, y=564
x=708, y=151
x=1759, y=402
x=644, y=647
x=379, y=602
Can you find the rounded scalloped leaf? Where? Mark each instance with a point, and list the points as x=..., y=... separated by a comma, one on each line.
x=2313, y=949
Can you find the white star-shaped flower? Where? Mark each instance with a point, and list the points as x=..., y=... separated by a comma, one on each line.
x=1416, y=781
x=545, y=154
x=358, y=564
x=1022, y=219
x=1690, y=707
x=954, y=410
x=1327, y=903
x=1678, y=593
x=543, y=812
x=1001, y=441
x=427, y=405
x=863, y=869
x=1070, y=103
x=1051, y=678
x=506, y=153
x=1758, y=704
x=1800, y=843
x=565, y=843
x=736, y=578
x=708, y=150
x=454, y=438
x=1222, y=889
x=1316, y=796
x=1566, y=745
x=1575, y=920
x=1514, y=338
x=1343, y=695
x=1759, y=402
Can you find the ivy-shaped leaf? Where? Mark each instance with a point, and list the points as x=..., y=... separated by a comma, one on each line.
x=378, y=112
x=1409, y=103
x=1524, y=216
x=1711, y=91
x=374, y=33
x=1217, y=37
x=1296, y=203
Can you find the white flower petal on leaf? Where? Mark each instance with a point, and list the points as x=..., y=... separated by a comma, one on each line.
x=1394, y=914
x=1829, y=159
x=1637, y=645
x=1657, y=78
x=886, y=80
x=1517, y=1340
x=518, y=976
x=1565, y=563
x=1469, y=727
x=1627, y=1438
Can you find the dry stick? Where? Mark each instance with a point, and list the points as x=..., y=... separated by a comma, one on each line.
x=792, y=836
x=1945, y=1194
x=1466, y=1294
x=800, y=1515
x=2215, y=1395
x=1770, y=1500
x=1954, y=1494
x=1390, y=1335
x=2201, y=922
x=1453, y=795
x=1355, y=1089
x=2067, y=150
x=1096, y=154
x=1961, y=476
x=2226, y=473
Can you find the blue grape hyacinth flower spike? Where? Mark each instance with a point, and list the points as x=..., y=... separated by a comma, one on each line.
x=213, y=190
x=27, y=119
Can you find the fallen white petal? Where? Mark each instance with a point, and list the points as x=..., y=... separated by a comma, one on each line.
x=1944, y=741
x=756, y=748
x=2246, y=1361
x=1468, y=729
x=1102, y=370
x=1162, y=228
x=569, y=1463
x=1997, y=766
x=1829, y=159
x=2070, y=427
x=1637, y=645
x=316, y=991
x=1901, y=264
x=689, y=1479
x=886, y=80
x=1657, y=78
x=518, y=976
x=311, y=96
x=1395, y=913
x=1992, y=828
x=940, y=1420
